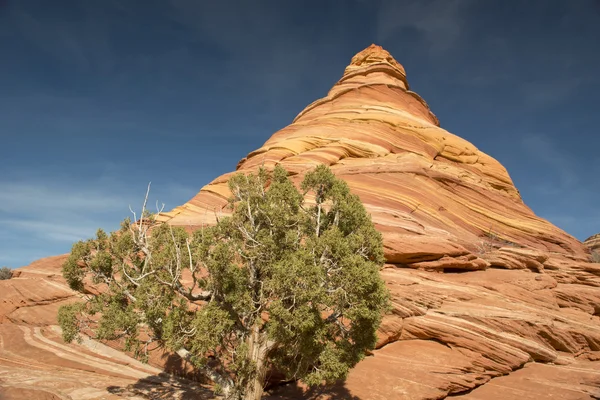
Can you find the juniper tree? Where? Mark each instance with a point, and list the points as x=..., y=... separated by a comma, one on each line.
x=281, y=284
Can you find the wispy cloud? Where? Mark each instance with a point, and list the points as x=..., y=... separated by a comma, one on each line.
x=54, y=231
x=276, y=69
x=554, y=90
x=439, y=22
x=34, y=198
x=540, y=147
x=52, y=213
x=560, y=186
x=57, y=212
x=81, y=42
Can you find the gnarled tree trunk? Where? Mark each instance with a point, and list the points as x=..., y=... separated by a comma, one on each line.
x=258, y=349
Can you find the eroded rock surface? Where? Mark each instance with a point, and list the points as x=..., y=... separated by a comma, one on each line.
x=489, y=300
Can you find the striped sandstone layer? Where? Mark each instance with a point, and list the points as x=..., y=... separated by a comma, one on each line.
x=435, y=197
x=593, y=242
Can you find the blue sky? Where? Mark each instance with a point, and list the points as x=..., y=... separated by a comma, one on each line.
x=97, y=98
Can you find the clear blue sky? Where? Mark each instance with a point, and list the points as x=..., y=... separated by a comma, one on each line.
x=99, y=97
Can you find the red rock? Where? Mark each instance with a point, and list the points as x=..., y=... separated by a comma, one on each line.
x=578, y=381
x=467, y=263
x=516, y=258
x=582, y=297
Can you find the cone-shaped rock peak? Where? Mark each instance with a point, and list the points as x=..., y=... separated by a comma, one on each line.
x=374, y=54
x=435, y=197
x=375, y=66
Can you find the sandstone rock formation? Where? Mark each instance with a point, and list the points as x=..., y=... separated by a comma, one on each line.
x=489, y=300
x=593, y=243
x=435, y=196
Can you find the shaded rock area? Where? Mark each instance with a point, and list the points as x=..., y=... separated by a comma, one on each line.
x=489, y=300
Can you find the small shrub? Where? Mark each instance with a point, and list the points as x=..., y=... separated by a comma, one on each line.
x=5, y=273
x=491, y=241
x=484, y=246
x=595, y=257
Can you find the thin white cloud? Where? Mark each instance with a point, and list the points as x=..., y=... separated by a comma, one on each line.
x=440, y=22
x=82, y=42
x=46, y=216
x=551, y=92
x=542, y=148
x=52, y=230
x=277, y=68
x=56, y=213
x=13, y=258
x=44, y=198
x=566, y=198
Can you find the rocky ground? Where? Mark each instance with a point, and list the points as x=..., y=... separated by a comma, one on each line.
x=493, y=334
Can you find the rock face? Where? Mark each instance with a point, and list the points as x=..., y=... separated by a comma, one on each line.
x=593, y=242
x=435, y=196
x=489, y=300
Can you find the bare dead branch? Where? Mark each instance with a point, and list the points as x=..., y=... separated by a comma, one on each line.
x=225, y=382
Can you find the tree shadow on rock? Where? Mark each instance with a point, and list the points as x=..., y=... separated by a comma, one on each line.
x=175, y=365
x=179, y=381
x=162, y=387
x=295, y=390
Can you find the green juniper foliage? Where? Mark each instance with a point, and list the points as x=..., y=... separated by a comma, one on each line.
x=279, y=284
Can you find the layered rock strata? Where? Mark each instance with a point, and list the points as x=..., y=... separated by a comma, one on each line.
x=593, y=242
x=437, y=199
